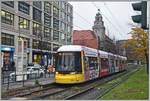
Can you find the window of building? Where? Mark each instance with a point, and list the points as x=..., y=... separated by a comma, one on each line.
x=56, y=35
x=24, y=7
x=56, y=2
x=24, y=23
x=47, y=20
x=28, y=41
x=49, y=46
x=37, y=15
x=47, y=7
x=7, y=39
x=69, y=29
x=46, y=46
x=55, y=12
x=55, y=47
x=68, y=19
x=37, y=29
x=63, y=4
x=47, y=33
x=62, y=36
x=37, y=4
x=68, y=9
x=35, y=44
x=69, y=39
x=55, y=23
x=63, y=15
x=63, y=26
x=9, y=3
x=7, y=17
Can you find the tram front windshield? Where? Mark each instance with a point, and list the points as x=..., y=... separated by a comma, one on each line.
x=68, y=62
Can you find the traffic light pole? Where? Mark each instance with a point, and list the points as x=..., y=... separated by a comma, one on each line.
x=148, y=55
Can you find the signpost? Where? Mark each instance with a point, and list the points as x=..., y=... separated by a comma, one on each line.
x=22, y=60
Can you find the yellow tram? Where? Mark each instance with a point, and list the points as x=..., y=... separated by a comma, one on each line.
x=77, y=64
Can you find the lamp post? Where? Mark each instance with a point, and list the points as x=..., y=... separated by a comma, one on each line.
x=40, y=43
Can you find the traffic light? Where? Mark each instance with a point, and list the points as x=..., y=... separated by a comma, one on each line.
x=142, y=6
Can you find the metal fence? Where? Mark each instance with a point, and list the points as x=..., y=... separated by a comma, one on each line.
x=7, y=79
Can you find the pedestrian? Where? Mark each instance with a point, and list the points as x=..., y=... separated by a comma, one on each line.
x=13, y=66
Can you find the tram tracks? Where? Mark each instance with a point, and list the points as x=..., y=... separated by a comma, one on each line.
x=59, y=92
x=70, y=92
x=21, y=92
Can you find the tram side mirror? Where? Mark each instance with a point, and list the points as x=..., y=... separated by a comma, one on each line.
x=55, y=59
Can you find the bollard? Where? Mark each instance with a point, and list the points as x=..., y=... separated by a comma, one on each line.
x=3, y=78
x=23, y=81
x=35, y=76
x=45, y=73
x=15, y=76
x=49, y=74
x=38, y=73
x=8, y=83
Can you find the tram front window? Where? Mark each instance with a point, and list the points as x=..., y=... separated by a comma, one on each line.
x=69, y=62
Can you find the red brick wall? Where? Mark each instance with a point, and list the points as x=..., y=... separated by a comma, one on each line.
x=85, y=38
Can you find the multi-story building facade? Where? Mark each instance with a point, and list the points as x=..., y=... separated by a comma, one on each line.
x=105, y=43
x=43, y=25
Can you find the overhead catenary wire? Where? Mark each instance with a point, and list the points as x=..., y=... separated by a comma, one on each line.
x=120, y=26
x=78, y=26
x=83, y=18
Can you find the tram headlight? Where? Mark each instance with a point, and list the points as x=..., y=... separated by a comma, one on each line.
x=56, y=72
x=73, y=73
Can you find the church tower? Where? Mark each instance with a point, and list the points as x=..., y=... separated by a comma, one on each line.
x=99, y=29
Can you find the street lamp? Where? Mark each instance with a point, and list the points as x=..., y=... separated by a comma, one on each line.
x=40, y=43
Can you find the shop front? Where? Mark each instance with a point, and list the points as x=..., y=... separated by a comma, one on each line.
x=7, y=58
x=42, y=58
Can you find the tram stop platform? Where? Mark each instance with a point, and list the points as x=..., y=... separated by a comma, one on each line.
x=27, y=83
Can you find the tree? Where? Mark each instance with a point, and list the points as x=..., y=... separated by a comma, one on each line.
x=139, y=44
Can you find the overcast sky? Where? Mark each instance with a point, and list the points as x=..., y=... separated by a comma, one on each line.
x=116, y=17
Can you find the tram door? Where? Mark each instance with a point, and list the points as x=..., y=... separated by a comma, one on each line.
x=86, y=69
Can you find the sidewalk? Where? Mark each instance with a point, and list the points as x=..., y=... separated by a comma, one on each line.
x=16, y=85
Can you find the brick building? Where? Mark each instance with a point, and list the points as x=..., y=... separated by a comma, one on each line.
x=85, y=38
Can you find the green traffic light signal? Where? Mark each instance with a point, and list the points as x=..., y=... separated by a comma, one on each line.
x=136, y=18
x=142, y=6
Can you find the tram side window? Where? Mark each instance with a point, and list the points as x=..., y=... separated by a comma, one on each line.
x=123, y=62
x=120, y=63
x=104, y=63
x=113, y=65
x=111, y=62
x=93, y=63
x=78, y=67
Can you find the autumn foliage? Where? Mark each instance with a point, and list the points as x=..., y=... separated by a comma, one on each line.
x=139, y=44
